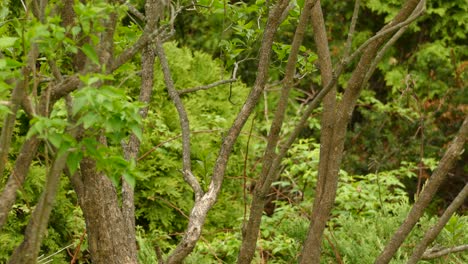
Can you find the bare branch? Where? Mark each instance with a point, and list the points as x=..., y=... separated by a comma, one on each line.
x=127, y=54
x=206, y=87
x=184, y=122
x=201, y=207
x=135, y=11
x=417, y=12
x=328, y=171
x=132, y=147
x=435, y=230
x=437, y=253
x=388, y=29
x=352, y=27
x=453, y=151
x=17, y=177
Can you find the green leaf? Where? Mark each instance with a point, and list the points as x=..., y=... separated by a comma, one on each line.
x=130, y=179
x=55, y=139
x=7, y=42
x=73, y=161
x=89, y=51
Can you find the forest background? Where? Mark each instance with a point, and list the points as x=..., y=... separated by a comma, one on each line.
x=193, y=131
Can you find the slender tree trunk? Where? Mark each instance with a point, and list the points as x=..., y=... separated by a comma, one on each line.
x=327, y=123
x=328, y=181
x=205, y=201
x=132, y=148
x=262, y=186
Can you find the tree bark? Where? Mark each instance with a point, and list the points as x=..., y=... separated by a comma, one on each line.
x=106, y=227
x=132, y=148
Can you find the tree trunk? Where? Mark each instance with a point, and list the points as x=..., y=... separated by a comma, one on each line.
x=330, y=161
x=106, y=228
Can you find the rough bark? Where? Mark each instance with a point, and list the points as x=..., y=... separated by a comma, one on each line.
x=262, y=186
x=107, y=228
x=204, y=204
x=454, y=150
x=328, y=180
x=107, y=232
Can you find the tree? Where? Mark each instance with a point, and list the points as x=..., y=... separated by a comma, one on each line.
x=64, y=63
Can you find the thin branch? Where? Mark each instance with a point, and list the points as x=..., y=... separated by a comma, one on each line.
x=135, y=11
x=17, y=177
x=417, y=12
x=454, y=150
x=127, y=54
x=206, y=87
x=437, y=253
x=28, y=250
x=385, y=31
x=184, y=122
x=352, y=27
x=435, y=230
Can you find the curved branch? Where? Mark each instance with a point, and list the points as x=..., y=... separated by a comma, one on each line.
x=184, y=122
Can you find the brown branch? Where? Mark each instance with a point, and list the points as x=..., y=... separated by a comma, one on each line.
x=454, y=150
x=206, y=87
x=416, y=13
x=262, y=187
x=135, y=11
x=129, y=53
x=437, y=253
x=387, y=30
x=77, y=250
x=435, y=230
x=352, y=28
x=201, y=207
